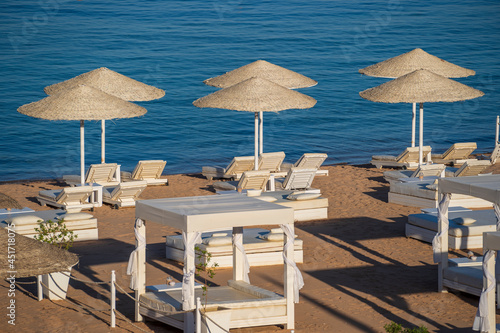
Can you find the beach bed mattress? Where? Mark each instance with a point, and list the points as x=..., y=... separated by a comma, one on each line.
x=260, y=251
x=83, y=225
x=461, y=236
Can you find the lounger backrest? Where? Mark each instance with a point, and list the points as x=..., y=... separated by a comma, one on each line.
x=74, y=195
x=271, y=161
x=149, y=169
x=128, y=190
x=255, y=180
x=299, y=178
x=459, y=151
x=411, y=154
x=240, y=164
x=472, y=168
x=311, y=160
x=101, y=173
x=426, y=170
x=495, y=154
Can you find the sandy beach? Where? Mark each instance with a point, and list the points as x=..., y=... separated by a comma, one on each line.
x=360, y=270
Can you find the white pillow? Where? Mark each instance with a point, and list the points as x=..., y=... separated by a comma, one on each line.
x=266, y=198
x=303, y=196
x=274, y=237
x=75, y=216
x=218, y=241
x=464, y=220
x=276, y=231
x=25, y=220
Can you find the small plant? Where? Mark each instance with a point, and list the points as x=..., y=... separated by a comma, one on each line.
x=205, y=270
x=397, y=328
x=55, y=233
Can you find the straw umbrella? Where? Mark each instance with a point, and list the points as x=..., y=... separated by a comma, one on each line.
x=112, y=83
x=81, y=103
x=411, y=61
x=418, y=87
x=256, y=95
x=266, y=70
x=34, y=257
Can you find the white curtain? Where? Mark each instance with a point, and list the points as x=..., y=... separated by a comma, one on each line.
x=443, y=219
x=187, y=292
x=132, y=261
x=298, y=281
x=481, y=322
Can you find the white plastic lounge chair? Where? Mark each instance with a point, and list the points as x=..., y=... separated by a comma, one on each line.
x=308, y=160
x=424, y=170
x=407, y=159
x=271, y=161
x=255, y=180
x=233, y=171
x=105, y=174
x=149, y=171
x=72, y=199
x=125, y=194
x=297, y=179
x=456, y=153
x=469, y=168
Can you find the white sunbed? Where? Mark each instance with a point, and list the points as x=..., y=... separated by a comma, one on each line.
x=424, y=170
x=456, y=154
x=72, y=199
x=83, y=225
x=271, y=161
x=125, y=194
x=147, y=170
x=407, y=159
x=105, y=174
x=263, y=247
x=308, y=160
x=297, y=179
x=255, y=180
x=234, y=170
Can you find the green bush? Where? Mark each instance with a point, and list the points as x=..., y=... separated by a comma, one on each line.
x=398, y=328
x=55, y=233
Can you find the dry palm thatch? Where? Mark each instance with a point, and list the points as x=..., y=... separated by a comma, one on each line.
x=413, y=60
x=112, y=83
x=32, y=257
x=263, y=69
x=8, y=202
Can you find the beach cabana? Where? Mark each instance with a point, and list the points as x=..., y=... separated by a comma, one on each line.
x=465, y=278
x=266, y=70
x=248, y=305
x=256, y=95
x=112, y=83
x=418, y=87
x=411, y=61
x=81, y=103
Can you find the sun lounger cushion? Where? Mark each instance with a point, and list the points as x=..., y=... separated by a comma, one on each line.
x=303, y=196
x=267, y=198
x=416, y=189
x=50, y=194
x=218, y=241
x=226, y=186
x=23, y=220
x=76, y=217
x=384, y=157
x=470, y=276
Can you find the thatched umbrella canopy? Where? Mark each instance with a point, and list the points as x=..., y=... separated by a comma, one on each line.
x=34, y=257
x=112, y=83
x=81, y=103
x=418, y=87
x=412, y=61
x=7, y=202
x=263, y=69
x=256, y=95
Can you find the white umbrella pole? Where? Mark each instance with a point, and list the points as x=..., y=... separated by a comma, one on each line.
x=413, y=124
x=496, y=134
x=256, y=151
x=421, y=135
x=82, y=151
x=261, y=132
x=103, y=140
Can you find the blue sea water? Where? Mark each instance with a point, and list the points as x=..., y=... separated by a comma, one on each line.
x=175, y=45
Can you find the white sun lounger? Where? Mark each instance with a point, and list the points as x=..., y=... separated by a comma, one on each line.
x=255, y=180
x=271, y=161
x=308, y=160
x=147, y=170
x=261, y=248
x=105, y=174
x=457, y=153
x=407, y=159
x=424, y=170
x=72, y=199
x=125, y=194
x=234, y=170
x=466, y=228
x=83, y=225
x=297, y=179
